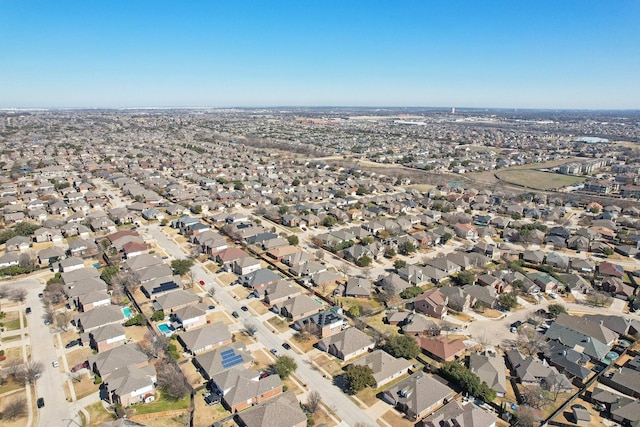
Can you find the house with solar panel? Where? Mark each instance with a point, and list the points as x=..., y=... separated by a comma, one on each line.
x=213, y=362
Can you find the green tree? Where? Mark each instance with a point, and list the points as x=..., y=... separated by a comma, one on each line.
x=109, y=273
x=367, y=240
x=355, y=310
x=134, y=321
x=446, y=237
x=411, y=292
x=196, y=209
x=293, y=240
x=464, y=278
x=406, y=248
x=607, y=251
x=556, y=309
x=363, y=261
x=285, y=366
x=508, y=301
x=399, y=263
x=181, y=266
x=389, y=253
x=359, y=377
x=157, y=315
x=467, y=380
x=402, y=346
x=329, y=221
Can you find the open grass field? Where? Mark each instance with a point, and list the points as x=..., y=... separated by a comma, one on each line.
x=538, y=180
x=98, y=414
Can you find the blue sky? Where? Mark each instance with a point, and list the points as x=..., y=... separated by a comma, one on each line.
x=520, y=54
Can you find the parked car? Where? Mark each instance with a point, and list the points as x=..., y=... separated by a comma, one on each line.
x=516, y=324
x=275, y=352
x=73, y=343
x=40, y=295
x=286, y=346
x=55, y=363
x=244, y=308
x=83, y=365
x=235, y=314
x=202, y=282
x=28, y=310
x=264, y=374
x=40, y=402
x=47, y=321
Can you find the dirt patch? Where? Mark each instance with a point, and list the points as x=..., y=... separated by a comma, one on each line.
x=491, y=314
x=463, y=317
x=136, y=333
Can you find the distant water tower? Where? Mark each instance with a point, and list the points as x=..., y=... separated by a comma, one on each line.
x=453, y=110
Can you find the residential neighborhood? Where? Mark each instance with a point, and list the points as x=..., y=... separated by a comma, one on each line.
x=236, y=268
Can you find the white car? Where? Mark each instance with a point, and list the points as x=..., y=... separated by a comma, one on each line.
x=55, y=363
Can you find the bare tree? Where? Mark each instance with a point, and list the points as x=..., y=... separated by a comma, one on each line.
x=5, y=291
x=154, y=345
x=29, y=372
x=12, y=367
x=211, y=291
x=250, y=329
x=319, y=254
x=530, y=342
x=190, y=279
x=527, y=417
x=14, y=409
x=62, y=320
x=49, y=313
x=76, y=376
x=26, y=260
x=345, y=269
x=18, y=294
x=536, y=396
x=54, y=292
x=313, y=401
x=599, y=299
x=172, y=381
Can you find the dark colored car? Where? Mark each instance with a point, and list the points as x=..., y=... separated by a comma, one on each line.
x=516, y=324
x=244, y=308
x=40, y=402
x=235, y=314
x=286, y=346
x=28, y=310
x=73, y=343
x=40, y=295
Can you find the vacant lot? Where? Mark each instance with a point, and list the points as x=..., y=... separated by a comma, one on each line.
x=538, y=180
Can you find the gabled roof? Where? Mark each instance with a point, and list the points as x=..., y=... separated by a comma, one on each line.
x=460, y=415
x=117, y=358
x=491, y=369
x=383, y=365
x=210, y=334
x=274, y=412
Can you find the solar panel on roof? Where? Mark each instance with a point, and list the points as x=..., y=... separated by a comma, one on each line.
x=232, y=361
x=226, y=353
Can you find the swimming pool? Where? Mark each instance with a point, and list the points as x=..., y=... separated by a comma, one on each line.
x=165, y=328
x=127, y=312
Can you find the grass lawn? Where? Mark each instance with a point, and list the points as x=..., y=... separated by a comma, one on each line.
x=538, y=180
x=278, y=323
x=11, y=321
x=13, y=338
x=258, y=306
x=330, y=364
x=22, y=421
x=464, y=317
x=98, y=414
x=220, y=316
x=291, y=386
x=378, y=324
x=78, y=356
x=227, y=278
x=9, y=386
x=240, y=292
x=396, y=420
x=368, y=396
x=193, y=376
x=262, y=359
x=203, y=415
x=85, y=387
x=162, y=404
x=305, y=345
x=321, y=417
x=491, y=314
x=13, y=353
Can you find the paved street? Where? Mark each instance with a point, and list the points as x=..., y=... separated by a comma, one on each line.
x=331, y=395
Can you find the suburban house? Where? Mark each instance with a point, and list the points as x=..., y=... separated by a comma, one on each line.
x=189, y=317
x=432, y=303
x=203, y=339
x=347, y=344
x=172, y=301
x=220, y=359
x=385, y=367
x=459, y=414
x=490, y=368
x=418, y=395
x=280, y=291
x=324, y=323
x=285, y=406
x=442, y=347
x=299, y=307
x=358, y=287
x=131, y=384
x=260, y=279
x=531, y=371
x=100, y=316
x=106, y=337
x=106, y=363
x=246, y=265
x=242, y=388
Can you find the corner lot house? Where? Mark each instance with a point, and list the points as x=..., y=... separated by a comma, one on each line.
x=418, y=395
